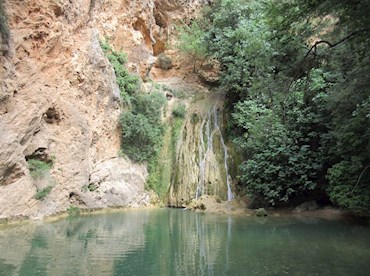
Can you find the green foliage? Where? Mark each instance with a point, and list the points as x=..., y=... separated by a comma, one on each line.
x=150, y=106
x=278, y=167
x=349, y=185
x=38, y=168
x=180, y=94
x=179, y=110
x=161, y=168
x=296, y=73
x=259, y=125
x=92, y=187
x=40, y=195
x=127, y=82
x=141, y=139
x=192, y=42
x=177, y=124
x=142, y=129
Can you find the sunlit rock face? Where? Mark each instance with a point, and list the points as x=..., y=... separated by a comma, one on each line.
x=59, y=101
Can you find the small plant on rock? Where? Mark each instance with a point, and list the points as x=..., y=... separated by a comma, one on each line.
x=73, y=210
x=38, y=168
x=40, y=195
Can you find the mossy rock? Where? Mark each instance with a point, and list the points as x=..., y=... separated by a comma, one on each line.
x=261, y=212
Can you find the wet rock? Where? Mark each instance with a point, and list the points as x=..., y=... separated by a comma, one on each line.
x=307, y=206
x=261, y=212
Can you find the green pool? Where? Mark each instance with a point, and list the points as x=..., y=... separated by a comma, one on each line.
x=178, y=242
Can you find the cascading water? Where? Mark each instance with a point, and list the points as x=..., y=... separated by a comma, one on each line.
x=201, y=159
x=208, y=128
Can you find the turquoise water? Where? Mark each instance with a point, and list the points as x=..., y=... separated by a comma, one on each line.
x=177, y=242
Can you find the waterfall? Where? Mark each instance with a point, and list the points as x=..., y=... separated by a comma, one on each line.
x=210, y=126
x=226, y=156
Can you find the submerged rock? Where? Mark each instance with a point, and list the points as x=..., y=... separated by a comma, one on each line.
x=306, y=206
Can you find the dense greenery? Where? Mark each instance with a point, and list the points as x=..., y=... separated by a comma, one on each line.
x=127, y=83
x=142, y=127
x=296, y=74
x=191, y=42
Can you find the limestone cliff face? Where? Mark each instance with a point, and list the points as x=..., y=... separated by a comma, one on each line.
x=59, y=100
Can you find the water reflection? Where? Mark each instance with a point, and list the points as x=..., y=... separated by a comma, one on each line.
x=175, y=242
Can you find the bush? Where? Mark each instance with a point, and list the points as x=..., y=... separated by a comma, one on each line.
x=179, y=111
x=40, y=195
x=348, y=185
x=142, y=129
x=164, y=62
x=280, y=163
x=127, y=83
x=278, y=173
x=149, y=105
x=140, y=138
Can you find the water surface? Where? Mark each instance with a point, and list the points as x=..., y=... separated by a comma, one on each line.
x=177, y=242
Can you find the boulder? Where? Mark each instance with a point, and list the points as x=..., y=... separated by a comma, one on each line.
x=306, y=206
x=261, y=212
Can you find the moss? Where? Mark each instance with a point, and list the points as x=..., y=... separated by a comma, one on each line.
x=162, y=170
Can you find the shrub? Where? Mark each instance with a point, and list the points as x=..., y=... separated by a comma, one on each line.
x=128, y=83
x=192, y=43
x=164, y=62
x=142, y=129
x=150, y=106
x=279, y=172
x=140, y=138
x=40, y=195
x=92, y=187
x=179, y=111
x=347, y=191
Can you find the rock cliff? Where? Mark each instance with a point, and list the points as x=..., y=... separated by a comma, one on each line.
x=59, y=102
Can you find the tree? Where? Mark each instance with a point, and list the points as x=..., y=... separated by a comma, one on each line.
x=191, y=42
x=301, y=110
